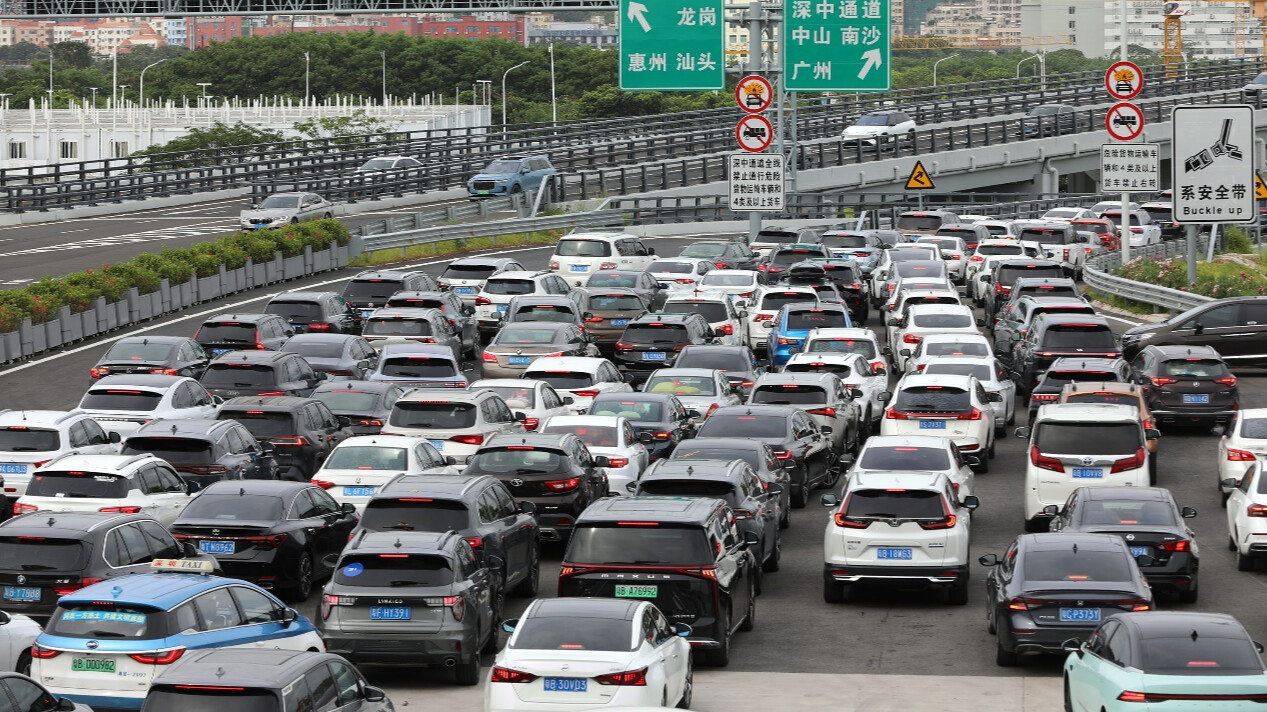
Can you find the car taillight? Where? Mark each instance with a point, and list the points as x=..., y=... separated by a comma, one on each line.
x=636, y=678
x=320, y=326
x=323, y=484
x=720, y=265
x=911, y=339
x=1234, y=455
x=476, y=439
x=607, y=265
x=66, y=589
x=269, y=541
x=1163, y=381
x=501, y=674
x=585, y=393
x=1129, y=463
x=1181, y=545
x=1002, y=289
x=475, y=541
x=96, y=372
x=1135, y=605
x=762, y=267
x=684, y=280
x=290, y=441
x=785, y=341
x=1043, y=462
x=783, y=454
x=764, y=317
x=1023, y=604
x=622, y=346
x=877, y=364
x=617, y=461
x=594, y=320
x=843, y=521
x=822, y=411
x=1044, y=397
x=19, y=508
x=554, y=264
x=743, y=513
x=482, y=300
x=165, y=371
x=43, y=653
x=947, y=523
x=531, y=423
x=132, y=509
x=661, y=435
x=489, y=358
x=974, y=414
x=1226, y=380
x=563, y=485
x=895, y=414
x=977, y=258
x=164, y=658
x=729, y=329
x=1256, y=510
x=374, y=422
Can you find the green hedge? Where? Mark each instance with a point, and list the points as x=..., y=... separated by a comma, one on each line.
x=43, y=300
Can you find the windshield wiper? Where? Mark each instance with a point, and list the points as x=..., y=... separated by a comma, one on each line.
x=234, y=341
x=878, y=515
x=105, y=634
x=23, y=449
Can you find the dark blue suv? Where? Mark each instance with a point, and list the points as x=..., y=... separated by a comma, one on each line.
x=511, y=174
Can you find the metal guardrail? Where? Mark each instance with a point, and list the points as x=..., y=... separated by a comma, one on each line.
x=1095, y=274
x=429, y=218
x=430, y=235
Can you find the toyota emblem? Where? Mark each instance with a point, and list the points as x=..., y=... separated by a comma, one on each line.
x=1130, y=537
x=215, y=532
x=1087, y=461
x=91, y=645
x=517, y=482
x=21, y=578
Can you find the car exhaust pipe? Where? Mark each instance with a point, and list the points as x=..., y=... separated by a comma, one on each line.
x=450, y=662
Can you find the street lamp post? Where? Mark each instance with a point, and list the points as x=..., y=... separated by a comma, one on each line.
x=94, y=96
x=508, y=71
x=141, y=89
x=486, y=90
x=204, y=86
x=307, y=94
x=1023, y=61
x=384, y=56
x=554, y=105
x=943, y=59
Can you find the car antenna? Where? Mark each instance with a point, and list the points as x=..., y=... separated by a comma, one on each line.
x=1075, y=548
x=1194, y=635
x=397, y=544
x=174, y=429
x=51, y=521
x=690, y=470
x=241, y=491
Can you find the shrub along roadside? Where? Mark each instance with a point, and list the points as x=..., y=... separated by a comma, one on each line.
x=43, y=300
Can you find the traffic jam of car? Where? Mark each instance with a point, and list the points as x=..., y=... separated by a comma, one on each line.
x=259, y=512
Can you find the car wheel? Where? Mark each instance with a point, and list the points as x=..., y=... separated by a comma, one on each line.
x=720, y=656
x=982, y=468
x=1152, y=471
x=800, y=494
x=1231, y=543
x=833, y=591
x=990, y=626
x=867, y=429
x=528, y=587
x=1243, y=562
x=327, y=216
x=750, y=616
x=294, y=221
x=24, y=664
x=1036, y=525
x=688, y=687
x=499, y=604
x=1004, y=657
x=771, y=564
x=1068, y=699
x=517, y=189
x=468, y=673
x=1190, y=594
x=304, y=576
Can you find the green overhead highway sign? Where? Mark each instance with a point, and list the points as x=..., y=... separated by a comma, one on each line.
x=836, y=45
x=672, y=45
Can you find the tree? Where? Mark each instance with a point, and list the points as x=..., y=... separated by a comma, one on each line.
x=218, y=135
x=357, y=124
x=75, y=55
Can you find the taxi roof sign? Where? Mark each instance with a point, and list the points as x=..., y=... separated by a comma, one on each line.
x=187, y=566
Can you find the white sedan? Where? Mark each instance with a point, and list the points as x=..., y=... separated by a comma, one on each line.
x=359, y=466
x=612, y=437
x=579, y=378
x=734, y=283
x=856, y=372
x=1247, y=517
x=587, y=653
x=536, y=399
x=1242, y=444
x=993, y=377
x=679, y=274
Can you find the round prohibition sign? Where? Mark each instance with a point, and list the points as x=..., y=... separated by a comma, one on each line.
x=1124, y=81
x=754, y=133
x=754, y=94
x=1124, y=121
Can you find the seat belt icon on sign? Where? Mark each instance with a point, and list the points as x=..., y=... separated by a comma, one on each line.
x=1205, y=157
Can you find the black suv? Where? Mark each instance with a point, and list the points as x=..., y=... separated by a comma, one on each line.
x=1054, y=335
x=759, y=456
x=368, y=608
x=325, y=312
x=1006, y=272
x=366, y=404
x=302, y=431
x=653, y=341
x=1186, y=385
x=262, y=680
x=478, y=507
x=345, y=356
x=46, y=555
x=1070, y=370
x=553, y=471
x=686, y=555
x=659, y=419
x=371, y=289
x=738, y=363
x=260, y=373
x=205, y=451
x=1236, y=327
x=847, y=276
x=237, y=332
x=163, y=355
x=793, y=435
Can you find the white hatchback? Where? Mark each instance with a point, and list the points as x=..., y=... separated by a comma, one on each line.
x=31, y=438
x=1244, y=442
x=127, y=484
x=952, y=407
x=579, y=377
x=734, y=283
x=989, y=372
x=1247, y=516
x=679, y=274
x=849, y=341
x=953, y=251
x=935, y=345
x=611, y=436
x=359, y=466
x=123, y=403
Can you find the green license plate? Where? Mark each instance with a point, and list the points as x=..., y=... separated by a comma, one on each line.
x=623, y=591
x=92, y=665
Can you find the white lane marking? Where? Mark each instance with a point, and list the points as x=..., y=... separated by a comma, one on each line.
x=1124, y=321
x=82, y=229
x=170, y=233
x=229, y=307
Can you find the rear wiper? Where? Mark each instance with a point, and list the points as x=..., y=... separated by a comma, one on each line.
x=23, y=449
x=529, y=471
x=399, y=528
x=879, y=515
x=234, y=341
x=37, y=567
x=405, y=583
x=105, y=634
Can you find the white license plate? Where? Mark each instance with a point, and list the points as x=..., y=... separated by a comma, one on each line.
x=361, y=491
x=390, y=613
x=1139, y=550
x=437, y=444
x=464, y=290
x=565, y=684
x=520, y=360
x=932, y=425
x=653, y=356
x=216, y=547
x=620, y=322
x=903, y=553
x=21, y=593
x=1088, y=473
x=12, y=469
x=580, y=268
x=1196, y=398
x=1080, y=615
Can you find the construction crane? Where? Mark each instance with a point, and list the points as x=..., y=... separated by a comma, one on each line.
x=1172, y=31
x=1010, y=42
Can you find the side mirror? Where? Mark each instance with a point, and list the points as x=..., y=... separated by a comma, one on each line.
x=750, y=539
x=267, y=447
x=289, y=616
x=970, y=502
x=628, y=377
x=988, y=560
x=1023, y=432
x=602, y=461
x=631, y=487
x=527, y=508
x=1230, y=482
x=1198, y=328
x=1072, y=645
x=1052, y=510
x=661, y=285
x=904, y=352
x=114, y=437
x=683, y=630
x=587, y=316
x=568, y=400
x=65, y=704
x=520, y=416
x=893, y=322
x=886, y=351
x=493, y=561
x=510, y=624
x=825, y=430
x=994, y=397
x=767, y=324
x=217, y=400
x=855, y=392
x=373, y=694
x=645, y=438
x=650, y=250
x=880, y=371
x=980, y=322
x=885, y=396
x=189, y=549
x=192, y=488
x=829, y=500
x=4, y=618
x=1145, y=560
x=344, y=421
x=987, y=278
x=1188, y=512
x=347, y=508
x=1258, y=646
x=692, y=414
x=1152, y=433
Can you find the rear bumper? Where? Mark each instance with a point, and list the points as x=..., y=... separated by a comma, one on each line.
x=942, y=575
x=1191, y=415
x=1025, y=637
x=104, y=703
x=439, y=648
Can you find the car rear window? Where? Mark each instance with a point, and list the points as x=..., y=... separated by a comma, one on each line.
x=19, y=438
x=726, y=280
x=1045, y=236
x=1079, y=336
x=1074, y=564
x=177, y=451
x=239, y=375
x=842, y=345
x=639, y=543
x=988, y=250
x=942, y=321
x=138, y=351
x=712, y=311
x=1195, y=368
x=981, y=371
x=372, y=290
x=786, y=258
x=1254, y=428
x=804, y=320
x=591, y=435
x=432, y=414
x=226, y=332
x=456, y=271
x=687, y=451
x=418, y=367
x=583, y=248
x=773, y=301
x=103, y=620
x=615, y=302
x=295, y=311
x=26, y=553
x=120, y=399
x=562, y=380
x=920, y=268
x=234, y=507
x=571, y=633
x=367, y=458
x=901, y=457
x=648, y=411
x=845, y=241
x=216, y=699
x=949, y=244
x=840, y=274
x=1070, y=309
x=518, y=460
x=1053, y=380
x=509, y=286
x=933, y=399
x=655, y=333
x=556, y=314
x=608, y=279
x=955, y=348
x=1195, y=654
x=1097, y=438
x=796, y=366
x=681, y=385
x=1050, y=290
x=314, y=349
x=894, y=504
x=1128, y=512
x=416, y=303
x=397, y=326
x=1008, y=274
x=725, y=360
x=777, y=237
x=515, y=396
x=688, y=488
x=1110, y=397
x=666, y=267
x=1160, y=213
x=918, y=222
x=393, y=570
x=73, y=484
x=525, y=335
x=897, y=256
x=789, y=394
x=415, y=514
x=347, y=400
x=743, y=426
x=263, y=424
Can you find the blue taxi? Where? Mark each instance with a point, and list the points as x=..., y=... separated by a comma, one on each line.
x=105, y=643
x=794, y=322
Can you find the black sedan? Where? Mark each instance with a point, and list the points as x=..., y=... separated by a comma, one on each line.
x=759, y=456
x=164, y=355
x=660, y=414
x=724, y=254
x=643, y=283
x=1049, y=588
x=1150, y=522
x=279, y=535
x=324, y=312
x=366, y=404
x=341, y=356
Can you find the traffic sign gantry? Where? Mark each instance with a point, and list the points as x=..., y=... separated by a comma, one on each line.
x=1123, y=81
x=672, y=45
x=836, y=45
x=754, y=133
x=754, y=94
x=1124, y=121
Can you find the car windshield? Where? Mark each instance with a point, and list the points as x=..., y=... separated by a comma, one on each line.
x=238, y=375
x=1116, y=219
x=872, y=120
x=1008, y=274
x=105, y=620
x=583, y=248
x=508, y=286
x=460, y=271
x=894, y=504
x=399, y=302
x=933, y=399
x=1079, y=336
x=918, y=222
x=688, y=451
x=1161, y=212
x=138, y=351
x=1132, y=512
x=177, y=451
x=279, y=202
x=904, y=458
x=1254, y=428
x=980, y=370
x=628, y=281
x=415, y=514
x=845, y=241
x=19, y=438
x=744, y=426
x=263, y=424
x=562, y=380
x=41, y=554
x=726, y=280
x=226, y=332
x=814, y=319
x=773, y=301
x=295, y=311
x=713, y=312
x=615, y=302
x=572, y=632
x=1098, y=438
x=662, y=545
x=377, y=164
x=1193, y=654
x=75, y=484
x=393, y=570
x=501, y=168
x=440, y=415
x=367, y=458
x=681, y=385
x=648, y=411
x=591, y=435
x=942, y=321
x=418, y=367
x=1045, y=236
x=120, y=399
x=525, y=336
x=987, y=250
x=844, y=345
x=518, y=460
x=688, y=488
x=397, y=326
x=788, y=394
x=183, y=699
x=732, y=360
x=347, y=400
x=706, y=250
x=236, y=507
x=655, y=333
x=372, y=290
x=1195, y=368
x=314, y=349
x=667, y=267
x=515, y=396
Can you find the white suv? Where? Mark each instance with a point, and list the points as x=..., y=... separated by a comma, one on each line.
x=1247, y=516
x=456, y=423
x=360, y=465
x=952, y=407
x=494, y=297
x=30, y=438
x=905, y=527
x=765, y=305
x=580, y=378
x=1074, y=445
x=127, y=484
x=729, y=322
x=581, y=254
x=123, y=403
x=925, y=319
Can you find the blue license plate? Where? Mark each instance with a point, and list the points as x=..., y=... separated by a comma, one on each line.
x=1088, y=473
x=1139, y=550
x=565, y=684
x=900, y=553
x=464, y=290
x=21, y=593
x=10, y=469
x=653, y=356
x=520, y=360
x=1196, y=398
x=365, y=313
x=1080, y=615
x=502, y=307
x=437, y=444
x=216, y=547
x=361, y=491
x=219, y=352
x=932, y=425
x=390, y=613
x=620, y=322
x=580, y=268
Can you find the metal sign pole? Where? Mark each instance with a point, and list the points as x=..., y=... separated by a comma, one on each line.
x=1126, y=197
x=755, y=65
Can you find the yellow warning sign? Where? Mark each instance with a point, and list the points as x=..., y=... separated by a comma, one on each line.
x=919, y=180
x=1260, y=189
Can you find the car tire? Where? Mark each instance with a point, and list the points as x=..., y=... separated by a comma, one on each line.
x=1190, y=594
x=1231, y=543
x=720, y=656
x=1244, y=563
x=833, y=591
x=1004, y=657
x=1152, y=471
x=24, y=664
x=688, y=688
x=499, y=605
x=528, y=587
x=990, y=626
x=294, y=221
x=958, y=594
x=305, y=575
x=800, y=495
x=1223, y=497
x=1037, y=525
x=983, y=468
x=467, y=674
x=771, y=564
x=1068, y=698
x=750, y=616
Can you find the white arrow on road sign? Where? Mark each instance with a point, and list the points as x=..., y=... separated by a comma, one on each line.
x=636, y=11
x=872, y=57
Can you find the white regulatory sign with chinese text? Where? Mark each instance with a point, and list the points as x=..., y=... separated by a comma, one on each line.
x=1130, y=167
x=756, y=182
x=1212, y=149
